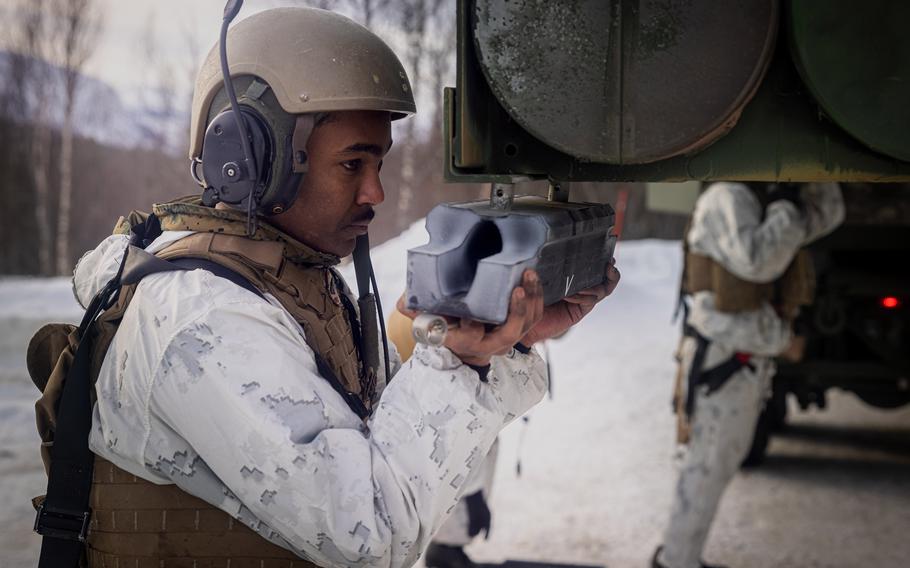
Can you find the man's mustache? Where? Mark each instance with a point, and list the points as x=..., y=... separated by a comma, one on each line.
x=364, y=217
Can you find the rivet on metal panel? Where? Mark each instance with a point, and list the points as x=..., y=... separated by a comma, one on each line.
x=501, y=196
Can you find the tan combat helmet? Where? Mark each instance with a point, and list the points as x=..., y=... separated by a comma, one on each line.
x=313, y=60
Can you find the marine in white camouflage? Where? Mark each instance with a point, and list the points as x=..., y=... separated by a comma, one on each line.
x=210, y=387
x=756, y=244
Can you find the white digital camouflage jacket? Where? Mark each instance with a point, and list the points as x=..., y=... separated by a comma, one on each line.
x=727, y=226
x=213, y=388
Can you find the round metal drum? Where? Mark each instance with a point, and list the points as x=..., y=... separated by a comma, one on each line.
x=624, y=81
x=855, y=58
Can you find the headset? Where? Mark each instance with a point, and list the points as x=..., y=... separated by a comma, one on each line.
x=249, y=157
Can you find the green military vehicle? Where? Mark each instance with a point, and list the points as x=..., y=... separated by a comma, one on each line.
x=678, y=90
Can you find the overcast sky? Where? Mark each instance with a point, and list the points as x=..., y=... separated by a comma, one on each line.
x=119, y=58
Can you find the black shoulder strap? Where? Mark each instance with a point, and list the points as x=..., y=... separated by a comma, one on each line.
x=219, y=270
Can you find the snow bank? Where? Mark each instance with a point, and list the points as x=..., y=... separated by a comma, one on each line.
x=38, y=298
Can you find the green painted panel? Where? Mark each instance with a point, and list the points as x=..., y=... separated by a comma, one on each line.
x=855, y=59
x=671, y=197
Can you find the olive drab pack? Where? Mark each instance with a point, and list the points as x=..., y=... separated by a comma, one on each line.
x=50, y=356
x=795, y=288
x=136, y=522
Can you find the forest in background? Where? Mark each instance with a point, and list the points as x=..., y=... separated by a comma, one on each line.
x=61, y=191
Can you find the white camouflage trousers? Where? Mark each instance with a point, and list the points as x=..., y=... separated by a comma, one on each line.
x=720, y=438
x=454, y=531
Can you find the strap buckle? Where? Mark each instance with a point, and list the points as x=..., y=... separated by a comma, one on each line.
x=60, y=523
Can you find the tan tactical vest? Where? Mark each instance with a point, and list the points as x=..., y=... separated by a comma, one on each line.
x=795, y=288
x=138, y=523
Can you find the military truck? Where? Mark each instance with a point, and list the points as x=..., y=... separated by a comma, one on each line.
x=678, y=90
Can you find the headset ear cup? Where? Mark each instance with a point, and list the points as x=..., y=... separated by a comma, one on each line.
x=273, y=133
x=223, y=168
x=289, y=160
x=263, y=144
x=285, y=181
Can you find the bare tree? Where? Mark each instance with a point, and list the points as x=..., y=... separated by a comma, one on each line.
x=159, y=89
x=322, y=4
x=415, y=18
x=78, y=23
x=189, y=69
x=33, y=41
x=369, y=8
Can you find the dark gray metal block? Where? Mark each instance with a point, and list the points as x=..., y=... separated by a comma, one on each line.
x=477, y=254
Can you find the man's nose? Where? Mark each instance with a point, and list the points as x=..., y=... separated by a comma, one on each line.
x=371, y=192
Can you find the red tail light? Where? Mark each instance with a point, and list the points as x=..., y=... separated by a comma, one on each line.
x=890, y=302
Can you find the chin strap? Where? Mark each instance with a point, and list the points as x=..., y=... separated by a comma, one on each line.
x=370, y=307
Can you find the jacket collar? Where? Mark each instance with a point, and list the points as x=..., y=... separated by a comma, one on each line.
x=188, y=214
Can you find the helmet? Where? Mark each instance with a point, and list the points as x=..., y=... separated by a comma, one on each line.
x=284, y=63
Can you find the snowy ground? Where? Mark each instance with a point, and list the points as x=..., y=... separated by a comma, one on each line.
x=597, y=459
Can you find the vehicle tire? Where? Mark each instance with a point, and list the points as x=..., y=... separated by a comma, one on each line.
x=760, y=439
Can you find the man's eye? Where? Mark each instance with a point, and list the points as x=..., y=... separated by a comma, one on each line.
x=351, y=165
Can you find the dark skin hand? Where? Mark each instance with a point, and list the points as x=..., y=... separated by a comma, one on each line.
x=559, y=317
x=528, y=322
x=475, y=342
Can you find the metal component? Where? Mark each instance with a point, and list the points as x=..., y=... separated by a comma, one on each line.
x=558, y=192
x=59, y=523
x=477, y=254
x=625, y=82
x=230, y=170
x=194, y=165
x=276, y=209
x=429, y=329
x=501, y=196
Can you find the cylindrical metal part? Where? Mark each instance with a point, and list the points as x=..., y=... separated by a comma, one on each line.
x=430, y=329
